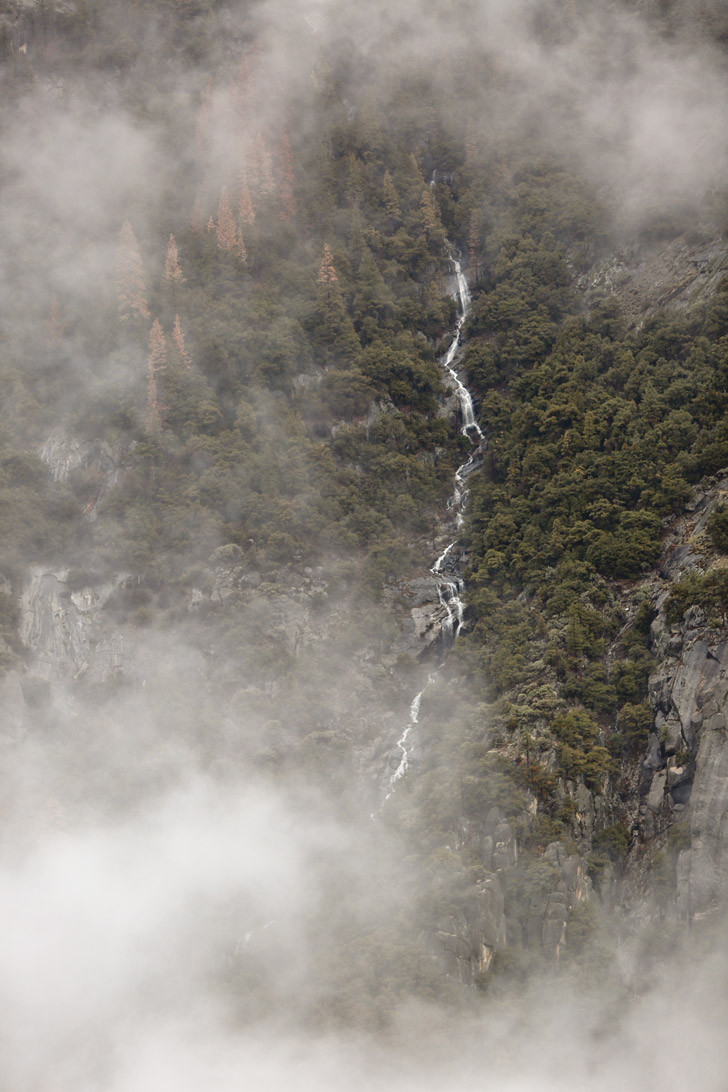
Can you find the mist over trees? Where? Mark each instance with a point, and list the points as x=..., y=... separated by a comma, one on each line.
x=227, y=461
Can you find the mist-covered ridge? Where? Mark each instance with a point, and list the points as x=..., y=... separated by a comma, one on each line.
x=363, y=538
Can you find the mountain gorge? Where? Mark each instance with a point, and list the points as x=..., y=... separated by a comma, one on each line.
x=363, y=556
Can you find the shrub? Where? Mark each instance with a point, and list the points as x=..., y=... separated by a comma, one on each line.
x=717, y=528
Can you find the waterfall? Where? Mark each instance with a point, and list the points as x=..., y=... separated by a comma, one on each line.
x=414, y=714
x=470, y=427
x=448, y=592
x=450, y=586
x=449, y=583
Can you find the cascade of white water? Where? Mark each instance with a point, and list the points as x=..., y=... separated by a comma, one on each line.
x=448, y=592
x=246, y=938
x=449, y=584
x=414, y=714
x=437, y=567
x=470, y=426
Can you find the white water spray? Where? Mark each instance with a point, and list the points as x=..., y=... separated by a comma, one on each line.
x=450, y=585
x=414, y=715
x=470, y=426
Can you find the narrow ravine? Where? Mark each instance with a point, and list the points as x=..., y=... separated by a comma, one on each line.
x=450, y=585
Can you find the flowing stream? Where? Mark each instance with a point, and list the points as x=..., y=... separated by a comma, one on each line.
x=470, y=426
x=450, y=586
x=449, y=582
x=414, y=715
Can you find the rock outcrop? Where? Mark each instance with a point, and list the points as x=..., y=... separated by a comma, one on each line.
x=684, y=774
x=64, y=454
x=60, y=627
x=466, y=941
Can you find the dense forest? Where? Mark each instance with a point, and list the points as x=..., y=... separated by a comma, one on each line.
x=228, y=450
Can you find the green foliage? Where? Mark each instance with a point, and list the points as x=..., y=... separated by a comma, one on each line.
x=579, y=754
x=635, y=724
x=663, y=867
x=583, y=926
x=490, y=781
x=591, y=442
x=304, y=423
x=609, y=846
x=717, y=528
x=679, y=836
x=706, y=590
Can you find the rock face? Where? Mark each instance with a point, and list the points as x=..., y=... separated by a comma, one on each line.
x=684, y=772
x=703, y=868
x=572, y=886
x=685, y=769
x=466, y=941
x=60, y=627
x=64, y=454
x=470, y=939
x=682, y=779
x=422, y=623
x=646, y=277
x=687, y=763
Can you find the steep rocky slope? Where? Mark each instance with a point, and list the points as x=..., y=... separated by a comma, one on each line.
x=672, y=274
x=684, y=770
x=673, y=799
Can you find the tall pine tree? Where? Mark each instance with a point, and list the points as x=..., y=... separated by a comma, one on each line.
x=227, y=233
x=336, y=333
x=245, y=205
x=156, y=366
x=172, y=272
x=131, y=289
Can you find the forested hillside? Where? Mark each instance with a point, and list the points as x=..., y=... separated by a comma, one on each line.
x=322, y=709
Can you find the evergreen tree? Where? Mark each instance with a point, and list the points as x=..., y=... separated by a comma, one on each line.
x=228, y=238
x=197, y=217
x=243, y=89
x=45, y=15
x=130, y=285
x=172, y=272
x=287, y=180
x=227, y=235
x=327, y=272
x=263, y=167
x=178, y=340
x=245, y=205
x=335, y=327
x=428, y=211
x=471, y=149
x=156, y=366
x=390, y=198
x=6, y=41
x=473, y=244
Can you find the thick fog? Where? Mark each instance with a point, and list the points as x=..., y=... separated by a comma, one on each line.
x=173, y=916
x=183, y=939
x=642, y=112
